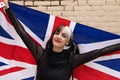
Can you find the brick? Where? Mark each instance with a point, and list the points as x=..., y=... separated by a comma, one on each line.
x=94, y=8
x=96, y=19
x=97, y=25
x=96, y=2
x=109, y=26
x=39, y=8
x=71, y=13
x=48, y=12
x=55, y=8
x=88, y=8
x=111, y=2
x=73, y=3
x=56, y=13
x=85, y=19
x=85, y=15
x=118, y=1
x=102, y=19
x=82, y=22
x=113, y=13
x=54, y=3
x=82, y=2
x=28, y=2
x=112, y=29
x=42, y=3
x=82, y=8
x=17, y=2
x=70, y=8
x=104, y=24
x=110, y=8
x=114, y=24
x=115, y=19
x=72, y=18
x=90, y=13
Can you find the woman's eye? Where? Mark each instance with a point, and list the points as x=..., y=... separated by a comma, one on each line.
x=57, y=33
x=64, y=35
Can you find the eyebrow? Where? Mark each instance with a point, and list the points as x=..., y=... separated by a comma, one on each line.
x=65, y=34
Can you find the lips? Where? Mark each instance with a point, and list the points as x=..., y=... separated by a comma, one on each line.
x=57, y=40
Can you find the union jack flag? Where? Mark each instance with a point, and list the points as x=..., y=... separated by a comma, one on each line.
x=17, y=63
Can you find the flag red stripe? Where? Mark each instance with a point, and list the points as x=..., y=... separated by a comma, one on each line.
x=17, y=53
x=115, y=52
x=2, y=10
x=59, y=21
x=86, y=73
x=10, y=70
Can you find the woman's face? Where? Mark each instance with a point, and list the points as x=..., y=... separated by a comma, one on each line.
x=60, y=39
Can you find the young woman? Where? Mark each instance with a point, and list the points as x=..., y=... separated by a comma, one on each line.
x=54, y=62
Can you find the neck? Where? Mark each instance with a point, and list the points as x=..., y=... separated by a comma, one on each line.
x=57, y=49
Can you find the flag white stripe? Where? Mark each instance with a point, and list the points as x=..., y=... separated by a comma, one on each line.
x=103, y=69
x=30, y=69
x=98, y=45
x=49, y=29
x=32, y=34
x=108, y=57
x=9, y=29
x=72, y=25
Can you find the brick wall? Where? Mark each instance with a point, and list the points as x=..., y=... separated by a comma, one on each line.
x=101, y=14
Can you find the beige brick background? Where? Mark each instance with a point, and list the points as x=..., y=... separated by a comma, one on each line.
x=101, y=14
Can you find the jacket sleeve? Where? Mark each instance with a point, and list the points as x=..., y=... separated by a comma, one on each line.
x=35, y=49
x=79, y=59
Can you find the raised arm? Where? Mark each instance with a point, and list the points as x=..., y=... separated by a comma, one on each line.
x=35, y=49
x=80, y=59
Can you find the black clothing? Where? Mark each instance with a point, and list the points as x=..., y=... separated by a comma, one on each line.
x=55, y=66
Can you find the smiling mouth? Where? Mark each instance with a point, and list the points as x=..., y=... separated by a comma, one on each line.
x=58, y=41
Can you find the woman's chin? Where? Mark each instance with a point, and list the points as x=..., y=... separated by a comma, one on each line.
x=58, y=46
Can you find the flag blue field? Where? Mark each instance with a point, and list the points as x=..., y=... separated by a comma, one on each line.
x=17, y=63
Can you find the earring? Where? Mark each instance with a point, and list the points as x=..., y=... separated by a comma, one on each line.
x=66, y=44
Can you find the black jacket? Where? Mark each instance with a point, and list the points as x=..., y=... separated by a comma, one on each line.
x=42, y=60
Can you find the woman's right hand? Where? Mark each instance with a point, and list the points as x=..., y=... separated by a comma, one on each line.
x=6, y=4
